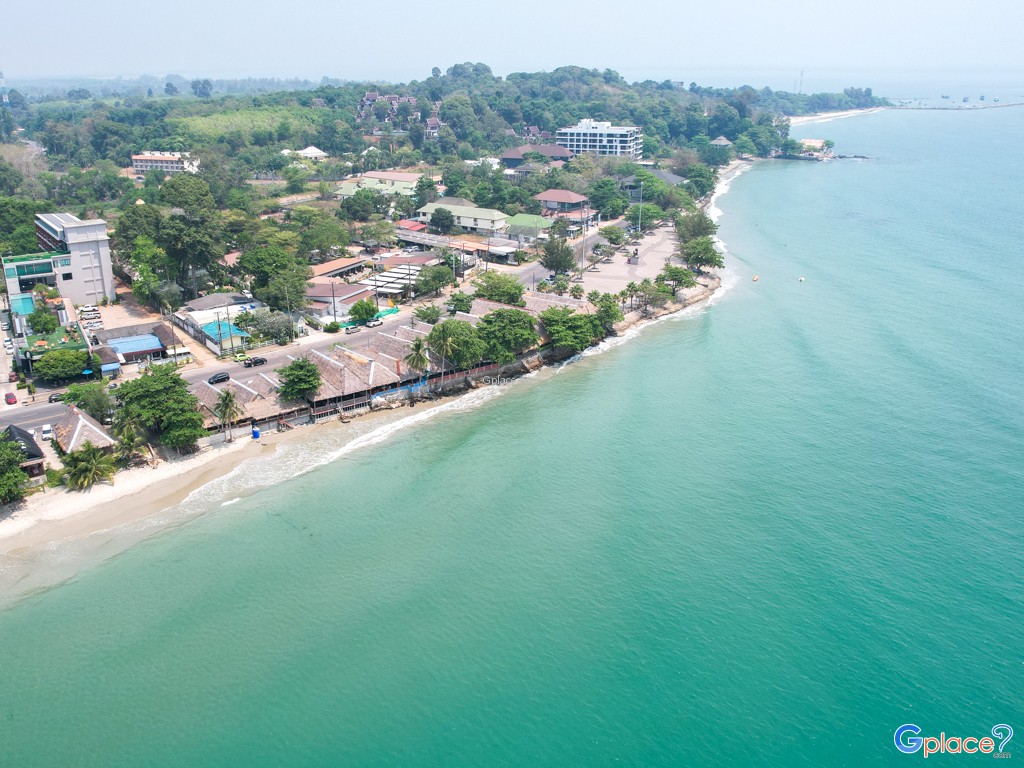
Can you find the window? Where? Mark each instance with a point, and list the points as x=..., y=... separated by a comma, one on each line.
x=68, y=276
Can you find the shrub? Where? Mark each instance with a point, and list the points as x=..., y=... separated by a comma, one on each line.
x=332, y=327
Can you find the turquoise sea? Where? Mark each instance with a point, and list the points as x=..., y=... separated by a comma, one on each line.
x=764, y=533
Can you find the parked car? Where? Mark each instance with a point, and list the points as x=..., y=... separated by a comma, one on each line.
x=12, y=376
x=47, y=432
x=240, y=357
x=219, y=378
x=10, y=398
x=56, y=397
x=374, y=323
x=354, y=329
x=254, y=361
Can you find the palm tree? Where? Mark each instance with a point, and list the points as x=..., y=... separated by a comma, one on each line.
x=632, y=289
x=87, y=466
x=227, y=410
x=443, y=345
x=130, y=440
x=417, y=358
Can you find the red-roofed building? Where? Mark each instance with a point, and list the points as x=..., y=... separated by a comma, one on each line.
x=414, y=226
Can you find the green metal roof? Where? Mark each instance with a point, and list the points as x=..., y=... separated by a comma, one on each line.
x=530, y=221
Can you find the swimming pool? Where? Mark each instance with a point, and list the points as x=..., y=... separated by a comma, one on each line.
x=22, y=304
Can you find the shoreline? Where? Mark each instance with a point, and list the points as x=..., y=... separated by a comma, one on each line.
x=825, y=117
x=43, y=521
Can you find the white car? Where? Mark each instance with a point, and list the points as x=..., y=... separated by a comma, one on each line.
x=47, y=432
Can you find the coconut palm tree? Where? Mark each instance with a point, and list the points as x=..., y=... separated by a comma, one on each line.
x=417, y=358
x=632, y=289
x=88, y=466
x=227, y=410
x=442, y=344
x=130, y=440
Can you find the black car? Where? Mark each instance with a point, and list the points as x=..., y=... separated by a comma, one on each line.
x=254, y=361
x=218, y=378
x=56, y=397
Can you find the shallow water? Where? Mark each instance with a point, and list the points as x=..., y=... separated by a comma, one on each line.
x=767, y=532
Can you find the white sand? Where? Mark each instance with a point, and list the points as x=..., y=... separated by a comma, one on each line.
x=825, y=117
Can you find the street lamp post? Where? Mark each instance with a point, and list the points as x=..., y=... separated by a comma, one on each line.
x=640, y=210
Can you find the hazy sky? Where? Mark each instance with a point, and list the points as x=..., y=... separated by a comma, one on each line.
x=751, y=41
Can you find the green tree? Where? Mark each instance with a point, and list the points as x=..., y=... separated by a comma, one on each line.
x=608, y=312
x=202, y=88
x=700, y=179
x=171, y=89
x=42, y=320
x=433, y=279
x=93, y=397
x=159, y=401
x=426, y=191
x=286, y=291
x=263, y=262
x=87, y=466
x=362, y=311
x=360, y=206
x=295, y=177
x=13, y=479
x=558, y=256
x=500, y=287
x=10, y=178
x=614, y=235
x=428, y=314
x=460, y=302
x=694, y=224
x=455, y=341
x=442, y=220
x=60, y=365
x=506, y=333
x=645, y=216
x=227, y=409
x=299, y=379
x=679, y=277
x=191, y=234
x=569, y=332
x=134, y=222
x=701, y=254
x=606, y=197
x=131, y=443
x=417, y=359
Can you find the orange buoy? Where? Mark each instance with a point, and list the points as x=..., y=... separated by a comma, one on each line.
x=755, y=278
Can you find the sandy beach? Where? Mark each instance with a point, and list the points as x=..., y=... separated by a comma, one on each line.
x=58, y=515
x=825, y=117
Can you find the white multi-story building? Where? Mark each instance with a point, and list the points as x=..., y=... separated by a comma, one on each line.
x=168, y=162
x=76, y=260
x=602, y=139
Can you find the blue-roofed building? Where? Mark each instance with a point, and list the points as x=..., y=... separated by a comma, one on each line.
x=225, y=335
x=134, y=348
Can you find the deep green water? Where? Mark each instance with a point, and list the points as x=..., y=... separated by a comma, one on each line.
x=766, y=533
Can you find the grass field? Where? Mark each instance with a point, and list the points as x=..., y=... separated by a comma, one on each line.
x=245, y=121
